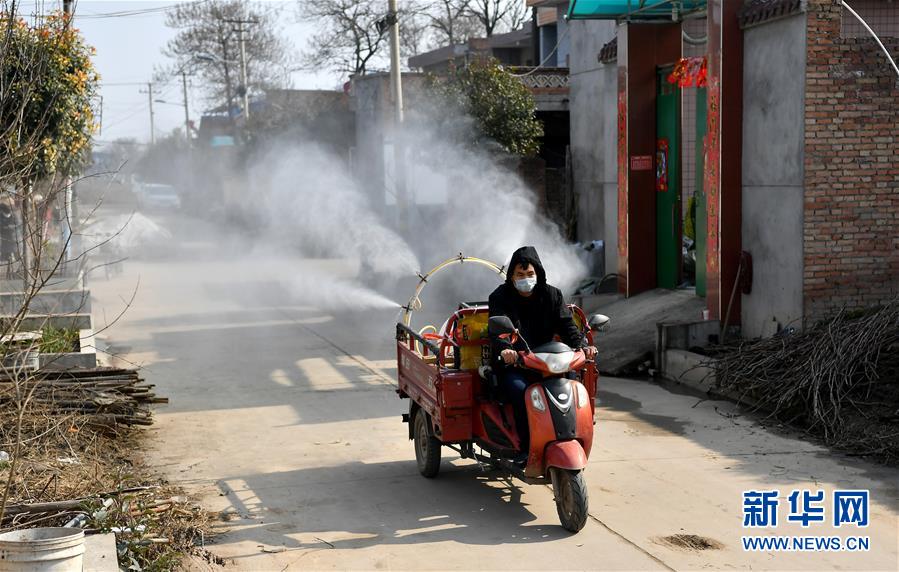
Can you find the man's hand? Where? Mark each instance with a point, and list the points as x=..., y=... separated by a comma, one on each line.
x=590, y=352
x=509, y=356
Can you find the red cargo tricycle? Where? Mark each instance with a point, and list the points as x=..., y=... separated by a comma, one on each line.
x=454, y=402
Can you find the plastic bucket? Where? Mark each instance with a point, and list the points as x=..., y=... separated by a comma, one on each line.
x=42, y=550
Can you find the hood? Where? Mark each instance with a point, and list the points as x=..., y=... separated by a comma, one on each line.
x=526, y=255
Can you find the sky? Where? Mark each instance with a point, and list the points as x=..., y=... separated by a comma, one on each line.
x=129, y=52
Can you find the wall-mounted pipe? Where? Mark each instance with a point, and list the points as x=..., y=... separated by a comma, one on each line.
x=694, y=41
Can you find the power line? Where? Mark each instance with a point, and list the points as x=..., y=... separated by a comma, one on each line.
x=130, y=13
x=546, y=59
x=121, y=83
x=121, y=120
x=134, y=111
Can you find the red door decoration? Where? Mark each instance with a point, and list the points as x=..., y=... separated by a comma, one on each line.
x=689, y=72
x=662, y=165
x=622, y=187
x=711, y=183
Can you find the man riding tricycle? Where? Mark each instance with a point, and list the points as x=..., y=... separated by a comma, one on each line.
x=510, y=383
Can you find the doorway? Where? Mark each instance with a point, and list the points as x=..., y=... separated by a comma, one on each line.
x=668, y=182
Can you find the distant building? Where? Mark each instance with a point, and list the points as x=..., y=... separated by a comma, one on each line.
x=510, y=49
x=322, y=116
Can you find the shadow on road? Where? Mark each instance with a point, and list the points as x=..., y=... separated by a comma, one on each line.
x=390, y=503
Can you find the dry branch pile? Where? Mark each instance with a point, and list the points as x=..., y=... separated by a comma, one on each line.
x=77, y=462
x=152, y=527
x=108, y=396
x=839, y=379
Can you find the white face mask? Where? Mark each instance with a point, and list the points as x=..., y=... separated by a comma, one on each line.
x=526, y=284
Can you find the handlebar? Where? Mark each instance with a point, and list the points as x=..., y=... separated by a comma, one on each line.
x=519, y=360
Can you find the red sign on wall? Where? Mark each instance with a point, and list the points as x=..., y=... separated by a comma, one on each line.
x=641, y=162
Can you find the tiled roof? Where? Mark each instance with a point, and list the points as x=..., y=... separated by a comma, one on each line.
x=756, y=12
x=609, y=52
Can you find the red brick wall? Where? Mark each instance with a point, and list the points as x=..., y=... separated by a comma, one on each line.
x=851, y=227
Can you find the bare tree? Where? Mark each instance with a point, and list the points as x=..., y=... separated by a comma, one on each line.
x=207, y=38
x=348, y=39
x=498, y=15
x=415, y=27
x=452, y=21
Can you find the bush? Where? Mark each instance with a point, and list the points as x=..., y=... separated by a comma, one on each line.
x=502, y=107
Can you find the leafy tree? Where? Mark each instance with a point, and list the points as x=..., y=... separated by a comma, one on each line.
x=47, y=86
x=502, y=107
x=208, y=41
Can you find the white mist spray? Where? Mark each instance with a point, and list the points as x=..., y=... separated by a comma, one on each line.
x=312, y=203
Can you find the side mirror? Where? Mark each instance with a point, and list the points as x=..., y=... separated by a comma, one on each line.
x=499, y=325
x=598, y=322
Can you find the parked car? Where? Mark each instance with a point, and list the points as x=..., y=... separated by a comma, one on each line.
x=159, y=196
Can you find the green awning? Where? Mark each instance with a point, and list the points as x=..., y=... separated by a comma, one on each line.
x=632, y=9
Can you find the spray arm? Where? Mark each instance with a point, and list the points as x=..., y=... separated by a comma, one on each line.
x=414, y=303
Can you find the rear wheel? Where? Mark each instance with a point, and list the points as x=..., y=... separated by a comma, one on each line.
x=427, y=448
x=570, y=491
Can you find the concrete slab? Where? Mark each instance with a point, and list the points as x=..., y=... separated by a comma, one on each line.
x=632, y=334
x=47, y=302
x=100, y=553
x=687, y=368
x=67, y=321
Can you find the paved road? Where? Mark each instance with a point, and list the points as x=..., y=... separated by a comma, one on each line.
x=284, y=420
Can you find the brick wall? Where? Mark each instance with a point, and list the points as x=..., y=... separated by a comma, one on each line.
x=851, y=224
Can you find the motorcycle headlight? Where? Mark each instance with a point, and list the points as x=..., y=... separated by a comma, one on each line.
x=557, y=363
x=537, y=399
x=583, y=398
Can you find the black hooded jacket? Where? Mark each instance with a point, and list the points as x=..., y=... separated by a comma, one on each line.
x=538, y=317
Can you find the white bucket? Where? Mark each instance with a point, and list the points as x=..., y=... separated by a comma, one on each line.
x=42, y=550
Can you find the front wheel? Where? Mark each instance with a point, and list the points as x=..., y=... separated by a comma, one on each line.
x=570, y=491
x=427, y=448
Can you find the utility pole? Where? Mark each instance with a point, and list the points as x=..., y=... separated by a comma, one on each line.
x=186, y=110
x=243, y=73
x=152, y=126
x=396, y=77
x=187, y=136
x=241, y=38
x=228, y=95
x=396, y=84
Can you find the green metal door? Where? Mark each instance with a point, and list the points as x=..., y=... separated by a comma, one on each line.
x=701, y=226
x=668, y=205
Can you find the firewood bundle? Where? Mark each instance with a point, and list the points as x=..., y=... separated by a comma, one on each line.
x=109, y=396
x=838, y=378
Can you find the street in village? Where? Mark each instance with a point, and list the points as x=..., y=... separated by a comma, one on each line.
x=230, y=232
x=284, y=422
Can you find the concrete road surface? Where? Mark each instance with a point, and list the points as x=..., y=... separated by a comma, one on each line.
x=283, y=420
